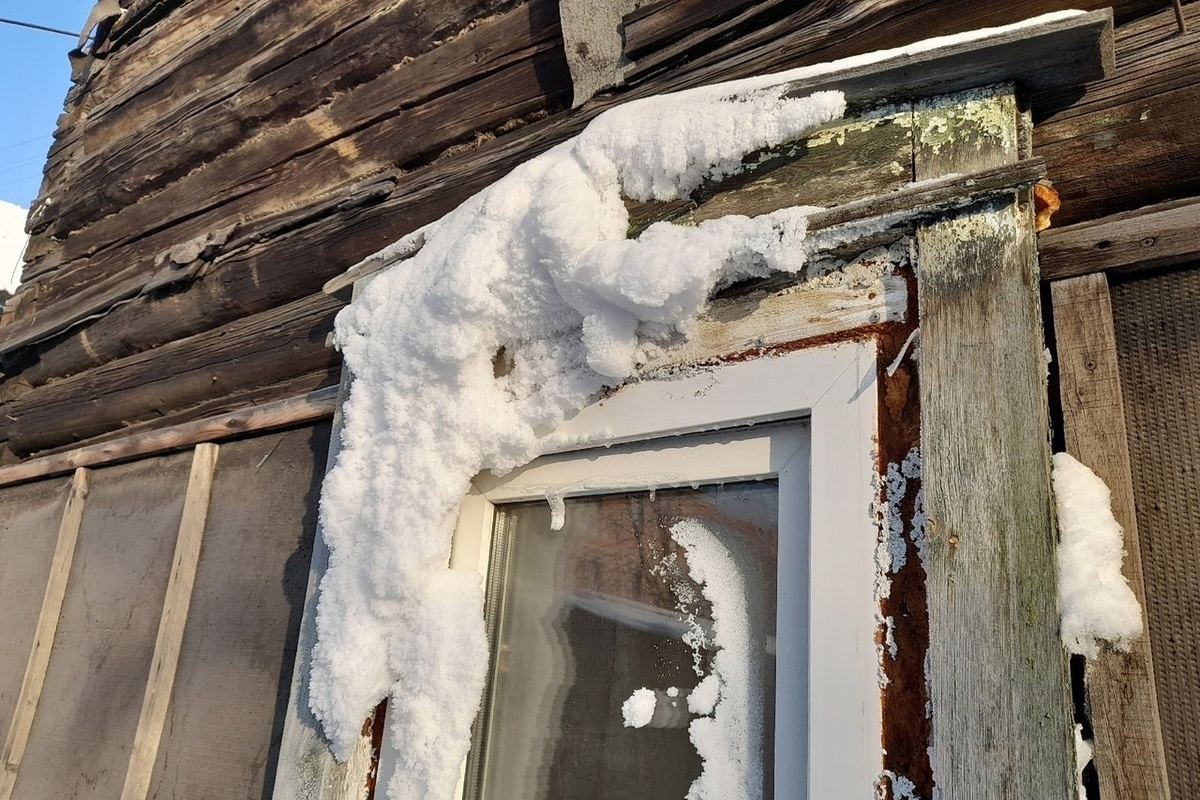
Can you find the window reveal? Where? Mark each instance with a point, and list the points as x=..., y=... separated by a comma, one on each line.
x=585, y=617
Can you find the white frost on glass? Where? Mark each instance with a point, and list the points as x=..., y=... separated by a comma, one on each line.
x=1094, y=598
x=730, y=740
x=638, y=710
x=538, y=264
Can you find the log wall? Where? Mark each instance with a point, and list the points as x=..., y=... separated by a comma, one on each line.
x=219, y=161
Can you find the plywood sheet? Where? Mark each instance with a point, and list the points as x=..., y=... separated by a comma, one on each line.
x=235, y=668
x=1157, y=324
x=29, y=520
x=83, y=732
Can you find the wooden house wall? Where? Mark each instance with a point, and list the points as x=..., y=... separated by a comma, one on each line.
x=222, y=160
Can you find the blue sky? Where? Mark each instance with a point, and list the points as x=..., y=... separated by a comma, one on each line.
x=34, y=78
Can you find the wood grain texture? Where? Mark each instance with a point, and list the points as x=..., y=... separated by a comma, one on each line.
x=1147, y=238
x=17, y=738
x=999, y=700
x=161, y=680
x=251, y=352
x=29, y=517
x=1065, y=51
x=278, y=414
x=1133, y=139
x=240, y=641
x=84, y=729
x=1121, y=694
x=307, y=769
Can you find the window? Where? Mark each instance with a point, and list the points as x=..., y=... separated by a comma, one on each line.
x=584, y=616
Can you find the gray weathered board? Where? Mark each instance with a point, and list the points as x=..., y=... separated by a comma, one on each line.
x=1122, y=699
x=29, y=521
x=235, y=665
x=999, y=700
x=84, y=728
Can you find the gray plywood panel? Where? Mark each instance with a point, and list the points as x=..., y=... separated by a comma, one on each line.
x=1157, y=322
x=29, y=520
x=235, y=668
x=83, y=732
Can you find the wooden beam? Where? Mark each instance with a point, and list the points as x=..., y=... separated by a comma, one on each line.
x=269, y=416
x=307, y=769
x=43, y=640
x=171, y=626
x=1148, y=238
x=251, y=352
x=1133, y=139
x=999, y=699
x=1066, y=51
x=1121, y=696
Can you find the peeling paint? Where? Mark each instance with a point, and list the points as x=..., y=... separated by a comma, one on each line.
x=988, y=122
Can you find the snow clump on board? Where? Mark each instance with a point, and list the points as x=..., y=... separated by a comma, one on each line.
x=537, y=264
x=1094, y=598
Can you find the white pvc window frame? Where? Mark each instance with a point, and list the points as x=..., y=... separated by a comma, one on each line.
x=827, y=696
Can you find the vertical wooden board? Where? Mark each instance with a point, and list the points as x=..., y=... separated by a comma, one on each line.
x=82, y=736
x=1157, y=325
x=1121, y=694
x=997, y=670
x=225, y=721
x=29, y=520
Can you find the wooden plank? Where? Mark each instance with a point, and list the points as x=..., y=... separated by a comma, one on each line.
x=29, y=517
x=171, y=626
x=999, y=699
x=218, y=74
x=645, y=28
x=307, y=769
x=81, y=737
x=1132, y=140
x=244, y=619
x=1148, y=238
x=43, y=641
x=251, y=352
x=279, y=414
x=1121, y=696
x=1066, y=51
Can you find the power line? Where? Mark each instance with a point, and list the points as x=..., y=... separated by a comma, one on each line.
x=20, y=24
x=27, y=141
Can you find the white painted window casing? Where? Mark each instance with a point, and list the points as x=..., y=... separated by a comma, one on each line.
x=700, y=428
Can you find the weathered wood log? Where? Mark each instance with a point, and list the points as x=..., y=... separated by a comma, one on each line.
x=1148, y=238
x=1132, y=140
x=267, y=63
x=378, y=125
x=294, y=410
x=999, y=699
x=1121, y=696
x=254, y=351
x=427, y=194
x=646, y=28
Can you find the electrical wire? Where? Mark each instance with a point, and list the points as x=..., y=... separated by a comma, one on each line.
x=37, y=27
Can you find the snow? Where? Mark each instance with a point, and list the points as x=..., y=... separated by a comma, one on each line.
x=1094, y=598
x=730, y=740
x=12, y=245
x=638, y=710
x=537, y=264
x=1083, y=757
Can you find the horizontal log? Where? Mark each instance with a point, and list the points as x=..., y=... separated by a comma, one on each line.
x=1148, y=238
x=476, y=82
x=427, y=194
x=263, y=64
x=252, y=352
x=285, y=413
x=646, y=28
x=1132, y=140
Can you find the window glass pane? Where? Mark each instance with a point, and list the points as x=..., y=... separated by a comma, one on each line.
x=585, y=617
